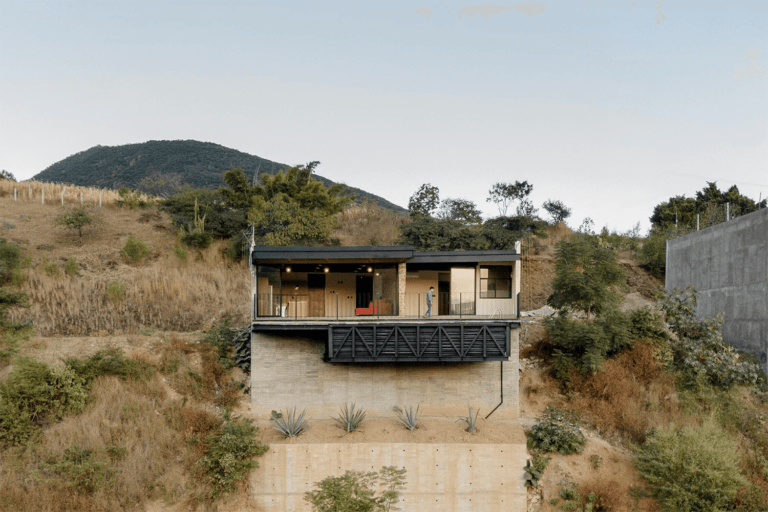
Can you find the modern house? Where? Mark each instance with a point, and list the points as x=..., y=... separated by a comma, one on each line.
x=372, y=301
x=335, y=325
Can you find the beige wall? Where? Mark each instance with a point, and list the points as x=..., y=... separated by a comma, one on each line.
x=439, y=477
x=416, y=289
x=289, y=371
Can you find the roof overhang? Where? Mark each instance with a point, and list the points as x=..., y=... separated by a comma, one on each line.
x=373, y=254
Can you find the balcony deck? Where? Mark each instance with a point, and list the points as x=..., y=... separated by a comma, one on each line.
x=438, y=339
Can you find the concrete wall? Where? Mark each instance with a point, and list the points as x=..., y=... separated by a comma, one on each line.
x=439, y=477
x=728, y=266
x=289, y=371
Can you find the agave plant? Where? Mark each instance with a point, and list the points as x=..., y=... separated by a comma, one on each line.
x=408, y=417
x=288, y=424
x=470, y=420
x=349, y=419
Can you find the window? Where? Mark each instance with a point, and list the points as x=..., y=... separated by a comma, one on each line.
x=495, y=282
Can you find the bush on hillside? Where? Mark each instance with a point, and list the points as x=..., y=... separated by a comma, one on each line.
x=701, y=355
x=230, y=455
x=355, y=491
x=131, y=199
x=691, y=469
x=10, y=259
x=109, y=362
x=134, y=250
x=35, y=394
x=586, y=345
x=557, y=432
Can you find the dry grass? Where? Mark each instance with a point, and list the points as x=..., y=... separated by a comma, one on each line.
x=367, y=224
x=125, y=428
x=630, y=397
x=194, y=371
x=51, y=193
x=161, y=292
x=613, y=494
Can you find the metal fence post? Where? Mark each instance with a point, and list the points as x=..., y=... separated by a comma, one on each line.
x=337, y=305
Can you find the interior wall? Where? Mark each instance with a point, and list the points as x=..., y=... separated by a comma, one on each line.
x=416, y=289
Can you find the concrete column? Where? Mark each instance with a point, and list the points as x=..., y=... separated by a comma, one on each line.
x=401, y=289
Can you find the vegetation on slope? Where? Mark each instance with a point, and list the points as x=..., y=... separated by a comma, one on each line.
x=193, y=163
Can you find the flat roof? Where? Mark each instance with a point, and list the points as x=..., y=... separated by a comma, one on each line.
x=373, y=254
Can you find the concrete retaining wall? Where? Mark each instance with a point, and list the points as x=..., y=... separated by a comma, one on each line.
x=439, y=477
x=289, y=371
x=728, y=266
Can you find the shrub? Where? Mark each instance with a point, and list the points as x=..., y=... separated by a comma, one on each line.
x=109, y=362
x=10, y=259
x=355, y=491
x=349, y=419
x=198, y=239
x=691, y=469
x=700, y=354
x=52, y=269
x=586, y=344
x=33, y=394
x=645, y=323
x=83, y=474
x=408, y=417
x=116, y=291
x=230, y=455
x=534, y=469
x=470, y=420
x=575, y=502
x=288, y=424
x=558, y=432
x=134, y=250
x=77, y=219
x=131, y=199
x=71, y=267
x=180, y=252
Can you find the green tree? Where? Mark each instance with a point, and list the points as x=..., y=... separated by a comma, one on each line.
x=461, y=210
x=162, y=185
x=585, y=277
x=78, y=219
x=424, y=201
x=504, y=194
x=280, y=222
x=355, y=491
x=425, y=233
x=296, y=185
x=557, y=210
x=7, y=175
x=240, y=194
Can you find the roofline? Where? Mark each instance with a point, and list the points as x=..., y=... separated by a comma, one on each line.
x=392, y=254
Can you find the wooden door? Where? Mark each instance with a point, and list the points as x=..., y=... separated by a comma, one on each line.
x=316, y=284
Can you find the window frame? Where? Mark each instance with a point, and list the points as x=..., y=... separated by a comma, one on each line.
x=487, y=281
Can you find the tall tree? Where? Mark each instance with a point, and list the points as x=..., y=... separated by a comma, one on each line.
x=557, y=210
x=461, y=210
x=424, y=201
x=504, y=194
x=585, y=276
x=7, y=175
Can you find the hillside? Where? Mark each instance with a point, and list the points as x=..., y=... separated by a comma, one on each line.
x=200, y=164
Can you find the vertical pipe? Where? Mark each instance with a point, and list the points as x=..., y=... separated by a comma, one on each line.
x=337, y=306
x=501, y=380
x=254, y=306
x=418, y=310
x=461, y=305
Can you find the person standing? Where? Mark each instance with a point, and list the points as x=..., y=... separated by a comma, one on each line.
x=429, y=302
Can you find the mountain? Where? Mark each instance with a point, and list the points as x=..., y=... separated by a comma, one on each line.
x=200, y=164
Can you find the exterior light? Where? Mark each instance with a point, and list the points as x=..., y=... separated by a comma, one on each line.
x=370, y=269
x=377, y=273
x=326, y=270
x=287, y=269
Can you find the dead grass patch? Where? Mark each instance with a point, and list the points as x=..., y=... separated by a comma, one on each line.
x=630, y=397
x=367, y=224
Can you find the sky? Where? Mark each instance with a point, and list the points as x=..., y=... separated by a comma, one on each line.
x=610, y=107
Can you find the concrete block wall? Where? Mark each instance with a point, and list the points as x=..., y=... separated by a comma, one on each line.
x=728, y=266
x=288, y=370
x=439, y=477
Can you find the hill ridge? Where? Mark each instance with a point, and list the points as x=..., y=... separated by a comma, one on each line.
x=200, y=164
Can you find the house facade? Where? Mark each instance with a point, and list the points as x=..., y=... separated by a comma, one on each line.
x=335, y=325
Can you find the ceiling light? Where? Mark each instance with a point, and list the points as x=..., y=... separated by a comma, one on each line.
x=287, y=269
x=370, y=269
x=326, y=270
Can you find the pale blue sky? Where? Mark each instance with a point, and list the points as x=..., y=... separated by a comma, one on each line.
x=609, y=107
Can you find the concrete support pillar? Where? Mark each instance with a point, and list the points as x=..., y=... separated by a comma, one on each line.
x=401, y=289
x=516, y=278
